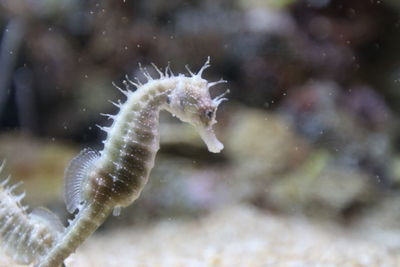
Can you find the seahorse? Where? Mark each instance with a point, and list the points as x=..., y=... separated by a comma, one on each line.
x=100, y=183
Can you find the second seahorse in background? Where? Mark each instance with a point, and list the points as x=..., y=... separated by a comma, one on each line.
x=98, y=183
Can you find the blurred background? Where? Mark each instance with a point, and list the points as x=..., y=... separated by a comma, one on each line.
x=311, y=130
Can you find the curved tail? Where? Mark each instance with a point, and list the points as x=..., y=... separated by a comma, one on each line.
x=25, y=236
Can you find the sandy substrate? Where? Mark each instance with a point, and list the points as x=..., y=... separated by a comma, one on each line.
x=235, y=236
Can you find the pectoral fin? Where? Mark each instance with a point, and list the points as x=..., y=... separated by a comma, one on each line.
x=76, y=174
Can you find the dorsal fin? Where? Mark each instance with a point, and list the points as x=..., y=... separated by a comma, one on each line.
x=47, y=217
x=75, y=175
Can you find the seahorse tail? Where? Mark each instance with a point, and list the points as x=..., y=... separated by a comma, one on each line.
x=25, y=237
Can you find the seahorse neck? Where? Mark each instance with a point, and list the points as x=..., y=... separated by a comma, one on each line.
x=140, y=111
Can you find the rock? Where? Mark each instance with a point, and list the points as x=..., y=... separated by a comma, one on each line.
x=321, y=188
x=40, y=164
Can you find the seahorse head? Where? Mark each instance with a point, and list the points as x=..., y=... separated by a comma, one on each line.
x=191, y=102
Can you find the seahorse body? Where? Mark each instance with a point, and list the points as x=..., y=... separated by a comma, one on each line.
x=25, y=236
x=98, y=183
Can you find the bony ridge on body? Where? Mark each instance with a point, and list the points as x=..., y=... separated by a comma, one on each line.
x=100, y=183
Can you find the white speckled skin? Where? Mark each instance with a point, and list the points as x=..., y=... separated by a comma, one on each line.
x=98, y=183
x=25, y=236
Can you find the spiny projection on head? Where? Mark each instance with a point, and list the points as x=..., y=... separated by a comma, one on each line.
x=98, y=183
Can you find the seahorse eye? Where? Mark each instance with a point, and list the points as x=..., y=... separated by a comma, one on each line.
x=209, y=114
